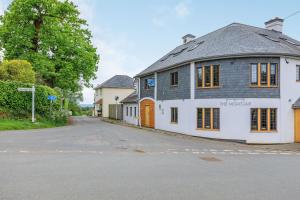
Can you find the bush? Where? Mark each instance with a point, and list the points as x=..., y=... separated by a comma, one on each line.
x=17, y=70
x=59, y=117
x=15, y=104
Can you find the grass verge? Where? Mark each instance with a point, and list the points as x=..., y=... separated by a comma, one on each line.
x=12, y=124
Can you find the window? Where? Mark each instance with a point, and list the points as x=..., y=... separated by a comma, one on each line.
x=199, y=76
x=149, y=83
x=130, y=111
x=174, y=78
x=174, y=115
x=273, y=74
x=208, y=118
x=208, y=76
x=298, y=72
x=264, y=119
x=264, y=74
x=216, y=118
x=254, y=119
x=216, y=74
x=199, y=118
x=134, y=111
x=254, y=74
x=126, y=111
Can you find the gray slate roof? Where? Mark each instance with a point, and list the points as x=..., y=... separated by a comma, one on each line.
x=230, y=41
x=297, y=104
x=118, y=81
x=132, y=98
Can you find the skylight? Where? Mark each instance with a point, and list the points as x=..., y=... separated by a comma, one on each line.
x=175, y=53
x=289, y=41
x=196, y=45
x=269, y=37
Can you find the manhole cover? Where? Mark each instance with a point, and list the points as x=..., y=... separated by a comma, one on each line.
x=210, y=159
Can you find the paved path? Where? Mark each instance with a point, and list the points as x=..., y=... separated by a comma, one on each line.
x=96, y=160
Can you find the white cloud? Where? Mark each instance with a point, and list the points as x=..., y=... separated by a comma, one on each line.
x=182, y=10
x=163, y=14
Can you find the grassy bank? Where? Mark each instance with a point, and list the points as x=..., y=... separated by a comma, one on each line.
x=11, y=124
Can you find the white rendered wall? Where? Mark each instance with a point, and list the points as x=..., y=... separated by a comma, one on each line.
x=234, y=118
x=108, y=97
x=130, y=119
x=290, y=92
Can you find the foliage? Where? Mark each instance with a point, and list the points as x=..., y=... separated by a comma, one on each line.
x=17, y=70
x=51, y=36
x=16, y=104
x=59, y=117
x=13, y=124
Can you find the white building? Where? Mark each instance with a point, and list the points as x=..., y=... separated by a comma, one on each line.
x=131, y=109
x=118, y=86
x=239, y=82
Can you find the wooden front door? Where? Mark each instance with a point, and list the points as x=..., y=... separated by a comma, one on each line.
x=297, y=125
x=147, y=113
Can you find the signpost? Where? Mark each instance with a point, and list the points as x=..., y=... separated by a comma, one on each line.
x=51, y=98
x=32, y=90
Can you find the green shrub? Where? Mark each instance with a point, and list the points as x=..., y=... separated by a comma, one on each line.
x=15, y=104
x=17, y=70
x=59, y=117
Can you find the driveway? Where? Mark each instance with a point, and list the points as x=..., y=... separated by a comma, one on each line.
x=94, y=160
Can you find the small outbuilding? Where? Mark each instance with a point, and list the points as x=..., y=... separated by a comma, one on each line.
x=130, y=109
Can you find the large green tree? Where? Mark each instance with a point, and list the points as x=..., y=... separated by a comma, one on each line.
x=51, y=35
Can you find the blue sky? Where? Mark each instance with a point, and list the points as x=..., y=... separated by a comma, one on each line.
x=131, y=35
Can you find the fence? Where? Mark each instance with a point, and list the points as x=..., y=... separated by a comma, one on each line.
x=112, y=111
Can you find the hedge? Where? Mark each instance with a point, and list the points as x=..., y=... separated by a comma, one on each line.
x=15, y=104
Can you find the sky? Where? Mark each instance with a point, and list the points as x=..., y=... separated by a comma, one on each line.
x=130, y=35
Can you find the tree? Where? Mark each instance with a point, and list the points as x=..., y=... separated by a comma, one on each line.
x=17, y=70
x=51, y=35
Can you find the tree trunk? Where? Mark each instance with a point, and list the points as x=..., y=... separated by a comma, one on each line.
x=37, y=28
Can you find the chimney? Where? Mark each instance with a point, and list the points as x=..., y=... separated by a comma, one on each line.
x=187, y=38
x=275, y=24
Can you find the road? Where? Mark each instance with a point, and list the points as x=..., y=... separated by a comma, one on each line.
x=93, y=160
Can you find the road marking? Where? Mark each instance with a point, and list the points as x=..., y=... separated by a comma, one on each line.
x=253, y=153
x=23, y=151
x=196, y=152
x=227, y=150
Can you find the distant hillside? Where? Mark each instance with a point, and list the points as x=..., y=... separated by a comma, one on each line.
x=86, y=105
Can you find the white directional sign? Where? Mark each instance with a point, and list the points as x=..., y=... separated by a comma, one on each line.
x=33, y=97
x=26, y=89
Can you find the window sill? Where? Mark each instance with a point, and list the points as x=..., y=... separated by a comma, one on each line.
x=263, y=131
x=214, y=87
x=204, y=129
x=174, y=123
x=256, y=86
